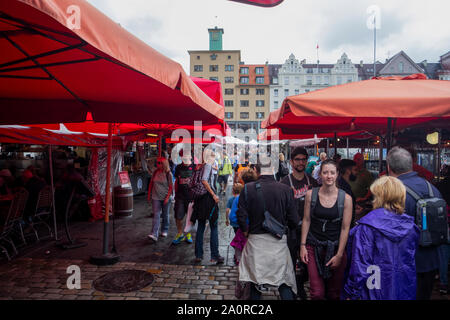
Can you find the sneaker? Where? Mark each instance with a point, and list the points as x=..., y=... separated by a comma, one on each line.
x=189, y=238
x=218, y=260
x=443, y=289
x=164, y=234
x=152, y=237
x=179, y=238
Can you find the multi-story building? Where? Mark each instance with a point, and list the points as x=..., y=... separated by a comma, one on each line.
x=443, y=72
x=296, y=77
x=245, y=87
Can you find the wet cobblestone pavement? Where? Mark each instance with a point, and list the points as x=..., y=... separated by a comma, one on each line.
x=40, y=270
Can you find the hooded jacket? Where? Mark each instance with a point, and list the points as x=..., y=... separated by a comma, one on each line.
x=381, y=250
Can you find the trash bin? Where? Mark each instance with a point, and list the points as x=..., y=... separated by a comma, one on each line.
x=123, y=202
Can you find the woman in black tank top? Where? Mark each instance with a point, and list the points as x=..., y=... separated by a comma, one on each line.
x=325, y=228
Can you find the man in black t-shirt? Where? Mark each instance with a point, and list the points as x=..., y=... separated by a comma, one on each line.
x=300, y=182
x=183, y=174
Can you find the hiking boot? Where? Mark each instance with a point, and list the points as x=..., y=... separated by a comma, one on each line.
x=189, y=238
x=179, y=238
x=443, y=289
x=218, y=260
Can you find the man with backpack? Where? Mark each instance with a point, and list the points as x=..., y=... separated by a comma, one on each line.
x=206, y=207
x=425, y=203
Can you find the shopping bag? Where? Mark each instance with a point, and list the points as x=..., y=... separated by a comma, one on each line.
x=189, y=223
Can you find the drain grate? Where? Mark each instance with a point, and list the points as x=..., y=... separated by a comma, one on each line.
x=123, y=281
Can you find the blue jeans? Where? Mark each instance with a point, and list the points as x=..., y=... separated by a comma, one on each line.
x=213, y=242
x=159, y=209
x=444, y=256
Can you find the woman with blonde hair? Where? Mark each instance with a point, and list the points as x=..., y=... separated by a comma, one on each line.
x=382, y=247
x=160, y=190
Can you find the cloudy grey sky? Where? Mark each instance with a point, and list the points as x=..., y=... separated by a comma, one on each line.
x=420, y=28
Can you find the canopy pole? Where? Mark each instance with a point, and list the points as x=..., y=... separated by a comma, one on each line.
x=380, y=157
x=389, y=134
x=107, y=258
x=50, y=159
x=160, y=143
x=348, y=151
x=439, y=155
x=335, y=144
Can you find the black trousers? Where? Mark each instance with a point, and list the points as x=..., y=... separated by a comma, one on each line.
x=425, y=282
x=286, y=292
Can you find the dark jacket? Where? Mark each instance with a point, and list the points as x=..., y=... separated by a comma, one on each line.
x=388, y=241
x=427, y=258
x=279, y=202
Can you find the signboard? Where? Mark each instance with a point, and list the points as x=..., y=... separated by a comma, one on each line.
x=124, y=179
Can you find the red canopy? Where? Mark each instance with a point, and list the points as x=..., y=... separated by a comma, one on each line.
x=261, y=3
x=63, y=58
x=364, y=105
x=211, y=88
x=276, y=134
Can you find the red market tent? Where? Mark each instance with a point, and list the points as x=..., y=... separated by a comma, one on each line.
x=364, y=106
x=63, y=59
x=73, y=60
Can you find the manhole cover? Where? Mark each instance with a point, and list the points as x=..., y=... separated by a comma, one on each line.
x=123, y=281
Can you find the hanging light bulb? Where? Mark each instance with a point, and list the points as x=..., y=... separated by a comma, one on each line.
x=433, y=138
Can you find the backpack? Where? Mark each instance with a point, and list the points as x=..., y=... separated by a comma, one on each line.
x=431, y=218
x=284, y=170
x=195, y=185
x=340, y=203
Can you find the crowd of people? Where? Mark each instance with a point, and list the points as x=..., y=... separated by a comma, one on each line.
x=350, y=234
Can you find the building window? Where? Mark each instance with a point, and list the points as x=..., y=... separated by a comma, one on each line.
x=243, y=70
x=229, y=91
x=198, y=57
x=229, y=57
x=260, y=80
x=310, y=70
x=349, y=79
x=244, y=103
x=339, y=80
x=275, y=80
x=286, y=80
x=275, y=92
x=213, y=56
x=214, y=78
x=259, y=70
x=297, y=80
x=400, y=67
x=318, y=80
x=245, y=92
x=244, y=80
x=286, y=92
x=309, y=80
x=229, y=67
x=228, y=115
x=297, y=91
x=213, y=68
x=229, y=79
x=260, y=103
x=244, y=115
x=260, y=92
x=198, y=68
x=326, y=80
x=260, y=115
x=307, y=90
x=228, y=103
x=275, y=104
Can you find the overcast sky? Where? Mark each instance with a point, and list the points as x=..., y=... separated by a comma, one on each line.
x=420, y=28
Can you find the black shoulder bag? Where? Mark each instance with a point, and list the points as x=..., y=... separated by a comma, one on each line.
x=270, y=224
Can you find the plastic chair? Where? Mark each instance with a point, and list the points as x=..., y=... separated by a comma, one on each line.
x=43, y=211
x=14, y=219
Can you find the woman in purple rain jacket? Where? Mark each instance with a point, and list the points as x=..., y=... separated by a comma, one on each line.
x=382, y=247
